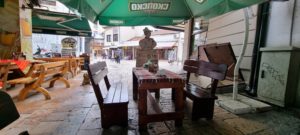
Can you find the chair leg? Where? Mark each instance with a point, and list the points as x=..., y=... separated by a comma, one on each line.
x=196, y=110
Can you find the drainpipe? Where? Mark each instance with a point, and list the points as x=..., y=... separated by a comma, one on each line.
x=260, y=39
x=238, y=63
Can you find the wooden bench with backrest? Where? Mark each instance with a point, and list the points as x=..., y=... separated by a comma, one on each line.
x=203, y=98
x=4, y=68
x=114, y=107
x=42, y=73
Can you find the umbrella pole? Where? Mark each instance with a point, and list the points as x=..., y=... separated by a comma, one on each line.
x=238, y=63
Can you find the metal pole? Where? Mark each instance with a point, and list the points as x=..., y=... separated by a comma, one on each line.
x=238, y=63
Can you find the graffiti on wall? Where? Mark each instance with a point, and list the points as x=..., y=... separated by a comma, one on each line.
x=275, y=74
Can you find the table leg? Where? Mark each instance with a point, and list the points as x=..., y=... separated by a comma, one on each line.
x=179, y=106
x=142, y=107
x=135, y=85
x=173, y=94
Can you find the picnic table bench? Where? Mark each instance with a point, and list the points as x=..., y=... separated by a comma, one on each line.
x=114, y=107
x=39, y=74
x=73, y=63
x=203, y=98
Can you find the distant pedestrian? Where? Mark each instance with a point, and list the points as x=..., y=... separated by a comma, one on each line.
x=171, y=56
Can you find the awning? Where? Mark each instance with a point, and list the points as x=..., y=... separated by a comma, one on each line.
x=48, y=22
x=165, y=45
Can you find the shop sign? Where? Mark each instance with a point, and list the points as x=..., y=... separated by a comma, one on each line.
x=68, y=42
x=150, y=6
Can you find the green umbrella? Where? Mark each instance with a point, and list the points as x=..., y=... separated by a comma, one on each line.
x=153, y=12
x=48, y=22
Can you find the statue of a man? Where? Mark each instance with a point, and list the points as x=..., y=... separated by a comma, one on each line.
x=147, y=43
x=146, y=51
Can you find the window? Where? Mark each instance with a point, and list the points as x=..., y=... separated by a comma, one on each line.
x=115, y=37
x=108, y=38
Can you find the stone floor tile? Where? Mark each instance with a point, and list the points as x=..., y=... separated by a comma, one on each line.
x=79, y=111
x=45, y=128
x=90, y=132
x=225, y=115
x=266, y=132
x=94, y=112
x=67, y=128
x=91, y=123
x=79, y=119
x=56, y=116
x=223, y=128
x=157, y=128
x=246, y=126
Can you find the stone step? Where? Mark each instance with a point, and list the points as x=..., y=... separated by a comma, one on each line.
x=242, y=105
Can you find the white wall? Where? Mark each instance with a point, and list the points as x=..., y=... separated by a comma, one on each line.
x=280, y=24
x=296, y=30
x=108, y=31
x=284, y=28
x=166, y=38
x=127, y=33
x=124, y=33
x=51, y=42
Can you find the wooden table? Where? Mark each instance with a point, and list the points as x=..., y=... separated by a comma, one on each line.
x=143, y=80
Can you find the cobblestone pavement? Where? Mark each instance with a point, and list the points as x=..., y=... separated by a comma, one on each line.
x=75, y=111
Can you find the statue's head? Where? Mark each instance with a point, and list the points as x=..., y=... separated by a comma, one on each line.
x=147, y=32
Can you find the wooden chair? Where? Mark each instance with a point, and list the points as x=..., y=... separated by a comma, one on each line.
x=4, y=68
x=39, y=74
x=203, y=98
x=114, y=108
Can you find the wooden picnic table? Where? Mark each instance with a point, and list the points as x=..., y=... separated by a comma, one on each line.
x=73, y=63
x=149, y=111
x=16, y=68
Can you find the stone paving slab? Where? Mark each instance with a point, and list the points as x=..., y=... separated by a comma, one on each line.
x=242, y=105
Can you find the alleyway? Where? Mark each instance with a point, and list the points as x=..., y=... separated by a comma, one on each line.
x=75, y=111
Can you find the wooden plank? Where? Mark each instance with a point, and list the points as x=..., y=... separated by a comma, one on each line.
x=237, y=27
x=124, y=93
x=152, y=106
x=94, y=68
x=234, y=39
x=117, y=96
x=53, y=64
x=97, y=77
x=110, y=95
x=216, y=71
